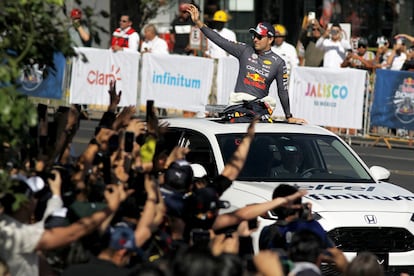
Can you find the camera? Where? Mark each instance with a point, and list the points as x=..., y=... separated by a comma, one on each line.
x=200, y=237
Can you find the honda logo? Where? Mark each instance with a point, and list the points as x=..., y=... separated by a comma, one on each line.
x=370, y=219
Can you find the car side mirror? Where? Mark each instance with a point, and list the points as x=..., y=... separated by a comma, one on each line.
x=380, y=173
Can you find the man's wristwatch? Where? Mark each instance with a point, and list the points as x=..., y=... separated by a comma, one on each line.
x=289, y=115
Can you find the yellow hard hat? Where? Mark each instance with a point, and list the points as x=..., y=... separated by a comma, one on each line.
x=280, y=30
x=220, y=16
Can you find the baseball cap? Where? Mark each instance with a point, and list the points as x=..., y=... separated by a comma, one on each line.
x=204, y=200
x=122, y=237
x=263, y=29
x=179, y=175
x=183, y=7
x=76, y=14
x=198, y=171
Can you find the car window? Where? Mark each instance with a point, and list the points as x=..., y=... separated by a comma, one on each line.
x=200, y=148
x=295, y=157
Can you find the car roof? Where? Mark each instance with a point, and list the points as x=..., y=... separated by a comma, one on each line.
x=214, y=126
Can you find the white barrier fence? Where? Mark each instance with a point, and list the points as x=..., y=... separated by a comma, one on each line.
x=328, y=97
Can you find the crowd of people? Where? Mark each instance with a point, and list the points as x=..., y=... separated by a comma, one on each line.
x=130, y=205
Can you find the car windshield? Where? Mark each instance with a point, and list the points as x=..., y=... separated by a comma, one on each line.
x=296, y=157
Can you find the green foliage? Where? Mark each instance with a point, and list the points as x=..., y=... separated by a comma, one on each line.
x=30, y=32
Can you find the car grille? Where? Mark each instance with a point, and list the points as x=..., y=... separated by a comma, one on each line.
x=374, y=239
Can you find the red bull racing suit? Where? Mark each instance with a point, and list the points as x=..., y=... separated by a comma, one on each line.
x=256, y=71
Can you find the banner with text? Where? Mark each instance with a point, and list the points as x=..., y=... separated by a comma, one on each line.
x=174, y=81
x=393, y=104
x=93, y=70
x=328, y=97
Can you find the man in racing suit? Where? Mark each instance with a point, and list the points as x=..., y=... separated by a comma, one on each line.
x=258, y=65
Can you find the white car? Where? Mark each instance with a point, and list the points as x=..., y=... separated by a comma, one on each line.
x=355, y=205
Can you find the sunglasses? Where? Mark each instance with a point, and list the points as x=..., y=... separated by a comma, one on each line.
x=259, y=37
x=123, y=21
x=362, y=45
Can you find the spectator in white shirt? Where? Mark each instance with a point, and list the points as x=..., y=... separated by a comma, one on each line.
x=153, y=43
x=334, y=46
x=285, y=50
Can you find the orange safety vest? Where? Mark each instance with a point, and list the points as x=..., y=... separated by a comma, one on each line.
x=121, y=39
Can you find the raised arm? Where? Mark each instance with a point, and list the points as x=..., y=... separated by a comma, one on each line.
x=61, y=236
x=255, y=210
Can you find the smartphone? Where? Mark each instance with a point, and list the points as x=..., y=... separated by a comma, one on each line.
x=311, y=16
x=113, y=143
x=42, y=111
x=129, y=138
x=252, y=223
x=149, y=110
x=106, y=170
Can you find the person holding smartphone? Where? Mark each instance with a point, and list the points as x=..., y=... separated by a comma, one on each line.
x=334, y=46
x=310, y=33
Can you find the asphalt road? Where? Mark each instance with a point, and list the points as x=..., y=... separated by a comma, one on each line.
x=399, y=161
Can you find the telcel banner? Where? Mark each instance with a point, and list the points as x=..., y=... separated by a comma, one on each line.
x=90, y=79
x=328, y=97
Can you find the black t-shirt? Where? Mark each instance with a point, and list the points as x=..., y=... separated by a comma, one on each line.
x=181, y=29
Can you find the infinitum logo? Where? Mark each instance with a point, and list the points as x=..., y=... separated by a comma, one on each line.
x=95, y=77
x=178, y=80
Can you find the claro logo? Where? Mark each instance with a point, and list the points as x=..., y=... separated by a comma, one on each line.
x=95, y=77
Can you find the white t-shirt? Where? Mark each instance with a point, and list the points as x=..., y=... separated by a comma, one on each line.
x=155, y=46
x=215, y=51
x=18, y=242
x=335, y=51
x=398, y=61
x=288, y=53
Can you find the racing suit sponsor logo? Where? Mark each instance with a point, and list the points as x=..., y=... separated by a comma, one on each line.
x=255, y=80
x=259, y=71
x=267, y=62
x=254, y=56
x=255, y=77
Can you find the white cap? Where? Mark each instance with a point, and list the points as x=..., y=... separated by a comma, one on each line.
x=35, y=183
x=198, y=171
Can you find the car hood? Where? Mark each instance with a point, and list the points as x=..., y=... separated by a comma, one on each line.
x=339, y=197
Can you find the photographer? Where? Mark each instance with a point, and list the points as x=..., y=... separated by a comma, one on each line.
x=311, y=32
x=334, y=45
x=290, y=220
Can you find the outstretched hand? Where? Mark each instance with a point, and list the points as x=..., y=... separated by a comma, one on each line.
x=114, y=98
x=293, y=120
